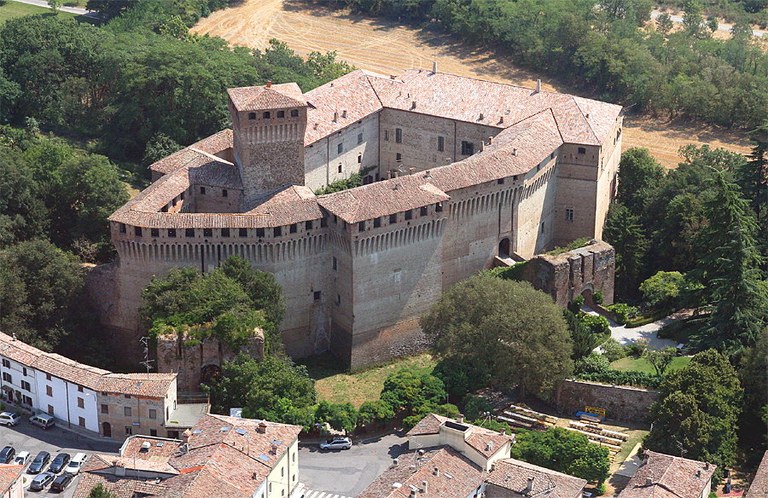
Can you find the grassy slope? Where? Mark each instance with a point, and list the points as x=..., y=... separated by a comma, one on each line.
x=361, y=386
x=13, y=9
x=642, y=365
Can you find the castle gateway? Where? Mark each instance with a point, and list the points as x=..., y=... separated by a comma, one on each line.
x=457, y=171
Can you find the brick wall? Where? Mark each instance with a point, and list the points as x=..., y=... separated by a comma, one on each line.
x=623, y=403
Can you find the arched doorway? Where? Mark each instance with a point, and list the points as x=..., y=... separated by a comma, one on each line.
x=209, y=373
x=106, y=429
x=504, y=249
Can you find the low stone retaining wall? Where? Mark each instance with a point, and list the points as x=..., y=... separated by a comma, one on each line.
x=625, y=403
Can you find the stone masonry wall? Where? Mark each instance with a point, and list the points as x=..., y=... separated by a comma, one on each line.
x=623, y=403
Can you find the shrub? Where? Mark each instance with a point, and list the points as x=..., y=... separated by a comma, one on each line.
x=491, y=424
x=635, y=349
x=619, y=378
x=597, y=297
x=575, y=305
x=375, y=412
x=594, y=363
x=596, y=324
x=624, y=312
x=613, y=351
x=661, y=291
x=340, y=416
x=475, y=406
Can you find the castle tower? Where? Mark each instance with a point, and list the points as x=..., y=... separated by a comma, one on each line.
x=268, y=124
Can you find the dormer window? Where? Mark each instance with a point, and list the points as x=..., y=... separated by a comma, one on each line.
x=295, y=113
x=267, y=115
x=251, y=116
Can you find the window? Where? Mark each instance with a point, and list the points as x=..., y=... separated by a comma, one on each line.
x=137, y=231
x=439, y=207
x=542, y=227
x=128, y=430
x=154, y=232
x=335, y=263
x=398, y=135
x=361, y=226
x=152, y=413
x=80, y=403
x=122, y=227
x=568, y=214
x=280, y=114
x=340, y=148
x=172, y=233
x=25, y=385
x=243, y=232
x=27, y=400
x=316, y=295
x=278, y=231
x=153, y=432
x=323, y=222
x=47, y=376
x=376, y=222
x=282, y=471
x=341, y=168
x=127, y=396
x=359, y=138
x=308, y=225
x=6, y=363
x=359, y=159
x=295, y=113
x=423, y=211
x=127, y=411
x=79, y=389
x=189, y=232
x=49, y=390
x=251, y=116
x=392, y=218
x=225, y=232
x=467, y=148
x=24, y=370
x=207, y=232
x=582, y=150
x=441, y=144
x=104, y=408
x=7, y=377
x=259, y=232
x=224, y=192
x=293, y=228
x=51, y=411
x=398, y=157
x=338, y=299
x=409, y=215
x=202, y=190
x=386, y=135
x=500, y=181
x=266, y=115
x=81, y=421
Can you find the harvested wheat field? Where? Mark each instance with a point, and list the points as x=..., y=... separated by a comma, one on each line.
x=386, y=47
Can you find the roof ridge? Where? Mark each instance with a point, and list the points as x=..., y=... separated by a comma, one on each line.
x=584, y=115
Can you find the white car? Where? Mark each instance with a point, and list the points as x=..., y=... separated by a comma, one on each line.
x=8, y=419
x=22, y=458
x=337, y=443
x=76, y=463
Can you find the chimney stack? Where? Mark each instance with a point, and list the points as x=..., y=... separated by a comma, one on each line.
x=413, y=104
x=262, y=428
x=538, y=86
x=436, y=472
x=529, y=486
x=269, y=83
x=424, y=487
x=185, y=436
x=344, y=114
x=434, y=67
x=335, y=116
x=648, y=481
x=514, y=151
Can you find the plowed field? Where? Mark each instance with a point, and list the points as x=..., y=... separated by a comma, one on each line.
x=390, y=48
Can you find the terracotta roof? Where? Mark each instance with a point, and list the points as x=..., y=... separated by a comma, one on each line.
x=758, y=488
x=382, y=198
x=255, y=98
x=456, y=476
x=484, y=441
x=293, y=204
x=9, y=474
x=428, y=425
x=217, y=143
x=513, y=475
x=70, y=370
x=152, y=385
x=16, y=350
x=349, y=98
x=665, y=476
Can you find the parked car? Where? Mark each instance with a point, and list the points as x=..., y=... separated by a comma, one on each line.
x=42, y=420
x=75, y=464
x=6, y=454
x=22, y=458
x=61, y=482
x=40, y=482
x=337, y=443
x=59, y=462
x=8, y=419
x=39, y=463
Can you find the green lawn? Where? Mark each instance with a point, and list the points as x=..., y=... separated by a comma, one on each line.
x=362, y=386
x=641, y=364
x=12, y=9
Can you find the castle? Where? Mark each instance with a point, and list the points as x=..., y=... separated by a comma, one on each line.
x=459, y=175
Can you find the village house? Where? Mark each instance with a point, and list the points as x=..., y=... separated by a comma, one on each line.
x=11, y=483
x=666, y=476
x=512, y=478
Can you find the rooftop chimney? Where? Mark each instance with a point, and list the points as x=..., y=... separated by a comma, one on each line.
x=529, y=486
x=460, y=418
x=514, y=151
x=490, y=140
x=698, y=472
x=489, y=446
x=436, y=472
x=648, y=481
x=335, y=116
x=481, y=116
x=413, y=105
x=424, y=487
x=262, y=428
x=185, y=435
x=538, y=86
x=706, y=465
x=269, y=83
x=395, y=461
x=344, y=114
x=434, y=67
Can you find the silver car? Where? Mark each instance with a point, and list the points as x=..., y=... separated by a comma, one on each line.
x=337, y=443
x=8, y=419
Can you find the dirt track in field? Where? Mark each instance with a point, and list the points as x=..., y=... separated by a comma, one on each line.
x=390, y=48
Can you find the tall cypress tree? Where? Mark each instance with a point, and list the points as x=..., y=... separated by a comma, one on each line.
x=753, y=176
x=731, y=268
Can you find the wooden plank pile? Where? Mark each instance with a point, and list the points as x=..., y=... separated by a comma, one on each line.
x=598, y=435
x=519, y=416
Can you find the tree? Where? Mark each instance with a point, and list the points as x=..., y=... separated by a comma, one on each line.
x=640, y=175
x=660, y=359
x=664, y=23
x=340, y=416
x=100, y=491
x=55, y=5
x=697, y=411
x=731, y=268
x=625, y=233
x=409, y=389
x=563, y=451
x=22, y=213
x=753, y=175
x=753, y=374
x=513, y=334
x=379, y=412
x=159, y=146
x=662, y=290
x=272, y=389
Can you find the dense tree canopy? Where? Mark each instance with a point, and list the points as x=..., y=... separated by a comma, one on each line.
x=515, y=335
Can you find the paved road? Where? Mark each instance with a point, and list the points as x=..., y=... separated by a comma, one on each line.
x=347, y=472
x=44, y=4
x=723, y=26
x=25, y=437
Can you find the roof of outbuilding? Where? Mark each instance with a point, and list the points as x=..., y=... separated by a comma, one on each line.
x=513, y=475
x=758, y=488
x=666, y=476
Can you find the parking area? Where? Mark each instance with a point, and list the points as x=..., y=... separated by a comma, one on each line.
x=25, y=437
x=347, y=472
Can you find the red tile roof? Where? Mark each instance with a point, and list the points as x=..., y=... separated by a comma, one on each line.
x=758, y=488
x=217, y=143
x=255, y=98
x=9, y=474
x=513, y=475
x=666, y=476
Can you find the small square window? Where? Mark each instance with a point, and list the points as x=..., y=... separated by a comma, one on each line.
x=79, y=389
x=122, y=227
x=278, y=231
x=308, y=225
x=294, y=113
x=47, y=376
x=51, y=411
x=6, y=363
x=280, y=114
x=81, y=421
x=242, y=232
x=80, y=403
x=24, y=370
x=568, y=214
x=582, y=150
x=202, y=190
x=127, y=396
x=104, y=409
x=398, y=157
x=376, y=222
x=266, y=115
x=189, y=232
x=127, y=411
x=207, y=232
x=154, y=232
x=128, y=430
x=423, y=211
x=224, y=192
x=392, y=218
x=398, y=135
x=259, y=232
x=500, y=181
x=359, y=138
x=340, y=148
x=409, y=215
x=137, y=231
x=467, y=148
x=293, y=228
x=316, y=295
x=172, y=233
x=152, y=413
x=225, y=232
x=361, y=226
x=439, y=207
x=251, y=116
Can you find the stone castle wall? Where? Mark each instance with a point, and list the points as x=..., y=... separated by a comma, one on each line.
x=624, y=403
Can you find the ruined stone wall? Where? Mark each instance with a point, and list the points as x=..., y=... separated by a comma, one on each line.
x=624, y=403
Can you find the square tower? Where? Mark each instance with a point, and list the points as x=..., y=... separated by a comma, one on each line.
x=268, y=124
